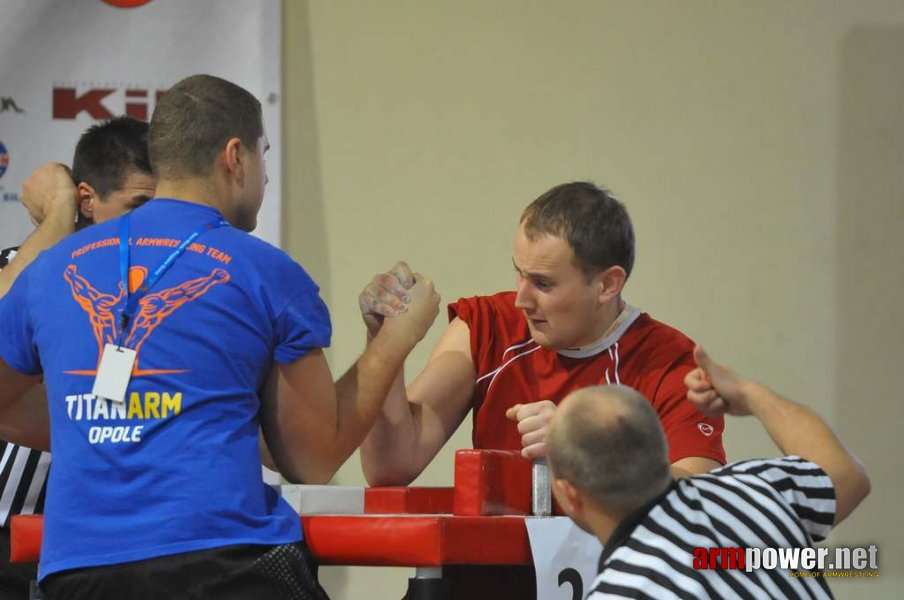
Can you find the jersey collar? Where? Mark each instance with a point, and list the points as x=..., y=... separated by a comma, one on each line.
x=624, y=320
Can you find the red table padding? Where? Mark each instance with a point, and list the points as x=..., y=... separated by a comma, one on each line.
x=487, y=482
x=408, y=500
x=492, y=482
x=25, y=538
x=378, y=540
x=417, y=541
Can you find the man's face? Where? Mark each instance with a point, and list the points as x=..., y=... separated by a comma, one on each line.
x=562, y=307
x=138, y=187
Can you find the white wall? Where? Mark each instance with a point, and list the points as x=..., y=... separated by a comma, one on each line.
x=757, y=146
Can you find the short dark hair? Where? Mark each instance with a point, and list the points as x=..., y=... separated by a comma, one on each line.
x=108, y=151
x=616, y=453
x=193, y=121
x=590, y=219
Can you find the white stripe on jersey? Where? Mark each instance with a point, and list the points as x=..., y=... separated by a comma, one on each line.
x=804, y=492
x=515, y=347
x=655, y=564
x=15, y=476
x=762, y=511
x=497, y=369
x=634, y=582
x=727, y=518
x=614, y=357
x=743, y=505
x=505, y=364
x=778, y=512
x=6, y=452
x=679, y=555
x=37, y=484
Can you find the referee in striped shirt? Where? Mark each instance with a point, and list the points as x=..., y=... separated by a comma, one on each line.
x=611, y=476
x=111, y=175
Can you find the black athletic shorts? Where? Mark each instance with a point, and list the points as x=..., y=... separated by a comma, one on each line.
x=14, y=578
x=245, y=572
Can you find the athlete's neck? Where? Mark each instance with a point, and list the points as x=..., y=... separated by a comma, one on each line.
x=607, y=317
x=197, y=190
x=615, y=327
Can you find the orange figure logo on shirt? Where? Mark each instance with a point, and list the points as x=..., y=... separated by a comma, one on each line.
x=150, y=313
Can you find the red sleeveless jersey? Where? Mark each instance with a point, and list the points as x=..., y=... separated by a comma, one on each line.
x=641, y=352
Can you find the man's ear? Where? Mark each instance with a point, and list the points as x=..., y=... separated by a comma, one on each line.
x=610, y=282
x=87, y=200
x=569, y=497
x=234, y=159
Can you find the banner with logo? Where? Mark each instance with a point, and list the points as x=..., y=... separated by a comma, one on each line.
x=66, y=65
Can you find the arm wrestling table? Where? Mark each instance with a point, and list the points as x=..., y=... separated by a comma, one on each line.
x=479, y=521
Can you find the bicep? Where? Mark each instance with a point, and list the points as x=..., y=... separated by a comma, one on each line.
x=441, y=394
x=691, y=435
x=850, y=484
x=693, y=465
x=807, y=488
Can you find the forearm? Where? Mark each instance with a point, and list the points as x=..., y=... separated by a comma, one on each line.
x=57, y=225
x=794, y=428
x=371, y=394
x=389, y=451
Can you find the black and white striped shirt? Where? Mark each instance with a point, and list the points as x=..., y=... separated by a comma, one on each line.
x=23, y=471
x=781, y=503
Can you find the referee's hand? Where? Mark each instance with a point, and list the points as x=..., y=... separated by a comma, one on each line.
x=715, y=389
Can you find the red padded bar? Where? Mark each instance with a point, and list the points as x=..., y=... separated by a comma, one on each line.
x=408, y=500
x=402, y=541
x=26, y=532
x=492, y=482
x=486, y=541
x=405, y=541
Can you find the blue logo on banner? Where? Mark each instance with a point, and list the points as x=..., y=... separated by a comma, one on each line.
x=4, y=159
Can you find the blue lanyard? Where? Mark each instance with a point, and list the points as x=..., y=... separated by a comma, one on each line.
x=125, y=230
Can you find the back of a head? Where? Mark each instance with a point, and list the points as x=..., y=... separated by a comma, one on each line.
x=595, y=225
x=193, y=121
x=608, y=442
x=108, y=151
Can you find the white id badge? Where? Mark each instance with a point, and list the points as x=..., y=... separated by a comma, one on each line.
x=114, y=373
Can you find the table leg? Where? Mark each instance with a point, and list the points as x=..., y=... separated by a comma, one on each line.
x=428, y=584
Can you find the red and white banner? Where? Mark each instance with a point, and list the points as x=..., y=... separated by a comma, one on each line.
x=65, y=65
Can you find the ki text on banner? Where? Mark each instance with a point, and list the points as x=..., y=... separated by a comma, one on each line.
x=67, y=65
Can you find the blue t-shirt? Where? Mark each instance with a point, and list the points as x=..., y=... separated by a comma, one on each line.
x=176, y=467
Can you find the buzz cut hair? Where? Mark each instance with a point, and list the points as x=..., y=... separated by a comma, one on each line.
x=609, y=443
x=195, y=119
